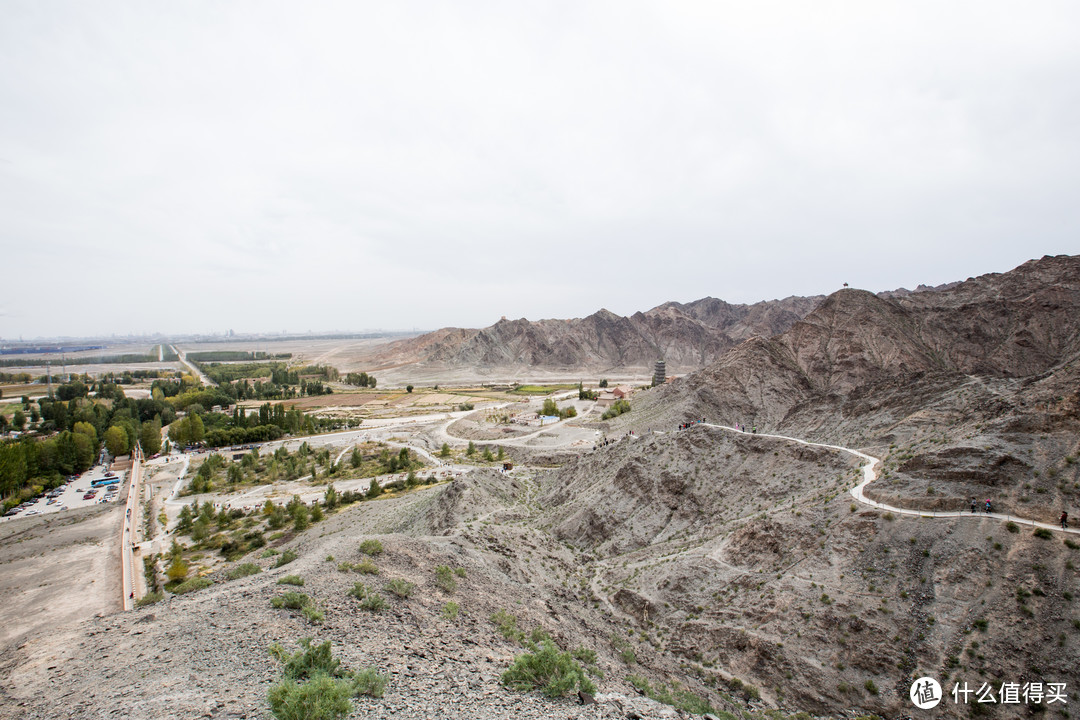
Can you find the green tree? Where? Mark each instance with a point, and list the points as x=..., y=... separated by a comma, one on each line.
x=550, y=408
x=501, y=454
x=408, y=388
x=471, y=450
x=116, y=441
x=19, y=421
x=375, y=490
x=603, y=383
x=150, y=436
x=178, y=569
x=331, y=497
x=445, y=451
x=356, y=459
x=184, y=522
x=85, y=428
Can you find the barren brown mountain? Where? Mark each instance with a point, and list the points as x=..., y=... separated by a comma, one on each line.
x=687, y=337
x=715, y=570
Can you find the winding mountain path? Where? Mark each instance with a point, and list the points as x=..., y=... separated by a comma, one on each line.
x=870, y=474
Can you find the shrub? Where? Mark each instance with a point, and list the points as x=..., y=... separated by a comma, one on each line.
x=679, y=698
x=585, y=655
x=1012, y=527
x=444, y=578
x=290, y=600
x=369, y=682
x=309, y=661
x=871, y=687
x=329, y=687
x=1043, y=533
x=313, y=614
x=373, y=603
x=366, y=568
x=291, y=580
x=243, y=571
x=507, y=626
x=553, y=672
x=460, y=572
x=195, y=583
x=359, y=591
x=322, y=698
x=371, y=547
x=400, y=587
x=450, y=611
x=286, y=557
x=149, y=599
x=1070, y=544
x=626, y=650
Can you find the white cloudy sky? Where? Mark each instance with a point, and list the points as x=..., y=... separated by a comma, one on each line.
x=263, y=166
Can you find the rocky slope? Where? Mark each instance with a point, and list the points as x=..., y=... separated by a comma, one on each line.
x=687, y=336
x=734, y=568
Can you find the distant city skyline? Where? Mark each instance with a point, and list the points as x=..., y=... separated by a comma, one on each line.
x=191, y=168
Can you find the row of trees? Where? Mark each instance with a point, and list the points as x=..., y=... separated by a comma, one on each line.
x=360, y=379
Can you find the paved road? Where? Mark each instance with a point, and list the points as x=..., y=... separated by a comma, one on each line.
x=870, y=474
x=130, y=529
x=191, y=366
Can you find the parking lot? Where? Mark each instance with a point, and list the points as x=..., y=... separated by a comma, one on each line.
x=75, y=493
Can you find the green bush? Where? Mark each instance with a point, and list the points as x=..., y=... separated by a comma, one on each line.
x=450, y=611
x=1043, y=533
x=444, y=578
x=313, y=614
x=400, y=587
x=366, y=568
x=617, y=408
x=677, y=698
x=585, y=655
x=328, y=688
x=359, y=591
x=286, y=557
x=371, y=547
x=149, y=599
x=373, y=603
x=195, y=583
x=460, y=572
x=553, y=672
x=1012, y=527
x=369, y=682
x=290, y=600
x=507, y=626
x=291, y=580
x=243, y=571
x=308, y=661
x=322, y=698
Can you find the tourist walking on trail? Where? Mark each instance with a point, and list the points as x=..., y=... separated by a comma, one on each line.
x=1064, y=520
x=973, y=505
x=989, y=508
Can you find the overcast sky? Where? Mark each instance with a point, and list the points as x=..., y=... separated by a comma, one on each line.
x=264, y=166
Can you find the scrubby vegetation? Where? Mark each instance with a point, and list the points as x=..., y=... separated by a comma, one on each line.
x=315, y=685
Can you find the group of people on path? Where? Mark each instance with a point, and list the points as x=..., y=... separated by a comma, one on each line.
x=988, y=507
